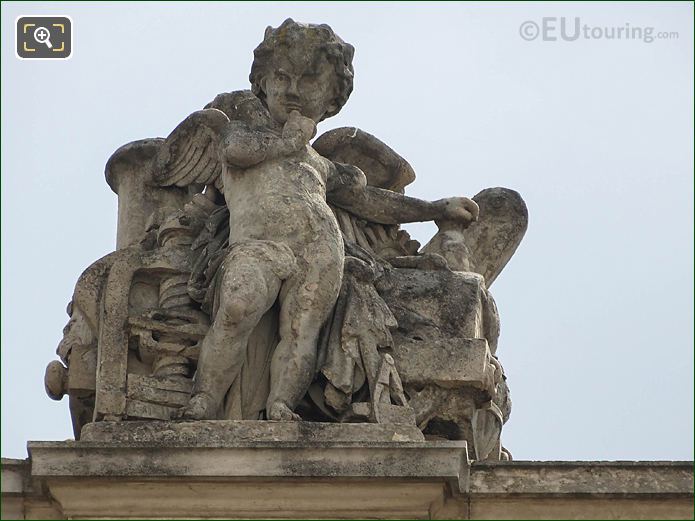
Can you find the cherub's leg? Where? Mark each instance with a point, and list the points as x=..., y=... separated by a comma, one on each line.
x=306, y=300
x=248, y=288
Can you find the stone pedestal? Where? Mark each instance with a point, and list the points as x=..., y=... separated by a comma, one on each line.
x=249, y=470
x=220, y=433
x=291, y=480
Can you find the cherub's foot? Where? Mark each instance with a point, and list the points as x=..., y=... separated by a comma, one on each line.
x=278, y=411
x=198, y=408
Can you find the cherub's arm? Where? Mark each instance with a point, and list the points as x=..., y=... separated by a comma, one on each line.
x=244, y=146
x=347, y=188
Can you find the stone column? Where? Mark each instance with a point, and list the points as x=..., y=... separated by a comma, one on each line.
x=140, y=201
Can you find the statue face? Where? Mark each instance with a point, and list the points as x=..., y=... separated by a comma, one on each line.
x=298, y=83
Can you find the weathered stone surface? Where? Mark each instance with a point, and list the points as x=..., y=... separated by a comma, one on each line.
x=493, y=239
x=580, y=490
x=260, y=276
x=129, y=174
x=139, y=410
x=447, y=364
x=22, y=497
x=447, y=321
x=330, y=498
x=172, y=392
x=222, y=433
x=114, y=486
x=428, y=304
x=446, y=461
x=353, y=146
x=582, y=477
x=486, y=245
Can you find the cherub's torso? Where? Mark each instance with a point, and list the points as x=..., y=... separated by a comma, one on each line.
x=282, y=200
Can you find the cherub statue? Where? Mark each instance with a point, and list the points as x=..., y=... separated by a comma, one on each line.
x=272, y=270
x=284, y=241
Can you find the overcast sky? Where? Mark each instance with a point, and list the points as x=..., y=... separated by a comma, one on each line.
x=596, y=134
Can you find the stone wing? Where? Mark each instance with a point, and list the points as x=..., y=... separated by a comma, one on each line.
x=383, y=167
x=189, y=155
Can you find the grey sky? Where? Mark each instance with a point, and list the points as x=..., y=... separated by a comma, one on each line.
x=597, y=135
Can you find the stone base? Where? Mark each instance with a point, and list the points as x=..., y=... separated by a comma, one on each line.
x=193, y=470
x=223, y=432
x=53, y=484
x=231, y=469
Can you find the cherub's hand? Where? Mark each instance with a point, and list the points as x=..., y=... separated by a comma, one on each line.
x=299, y=129
x=460, y=209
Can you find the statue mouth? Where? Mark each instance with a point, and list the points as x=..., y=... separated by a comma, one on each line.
x=290, y=106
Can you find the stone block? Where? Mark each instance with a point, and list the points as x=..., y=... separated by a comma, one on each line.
x=171, y=392
x=146, y=410
x=225, y=432
x=248, y=479
x=450, y=364
x=434, y=303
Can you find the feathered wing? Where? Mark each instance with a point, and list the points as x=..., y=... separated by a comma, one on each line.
x=189, y=154
x=383, y=167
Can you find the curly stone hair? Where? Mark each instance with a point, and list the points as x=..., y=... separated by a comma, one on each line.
x=320, y=38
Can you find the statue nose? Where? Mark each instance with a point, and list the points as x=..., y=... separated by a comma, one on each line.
x=293, y=89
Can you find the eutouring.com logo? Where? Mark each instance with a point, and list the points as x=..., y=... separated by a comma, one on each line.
x=553, y=29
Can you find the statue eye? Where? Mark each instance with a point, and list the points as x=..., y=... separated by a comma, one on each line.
x=308, y=80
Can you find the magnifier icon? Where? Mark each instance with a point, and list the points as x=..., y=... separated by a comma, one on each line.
x=43, y=35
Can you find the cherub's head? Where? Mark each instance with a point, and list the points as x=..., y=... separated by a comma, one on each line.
x=302, y=67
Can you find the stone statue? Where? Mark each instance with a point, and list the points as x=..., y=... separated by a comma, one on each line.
x=260, y=275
